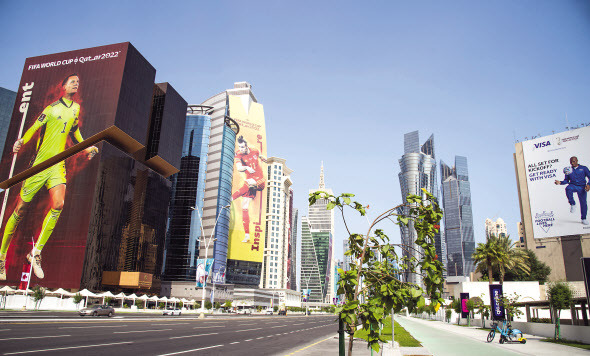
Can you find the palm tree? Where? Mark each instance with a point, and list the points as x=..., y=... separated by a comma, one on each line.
x=511, y=257
x=486, y=256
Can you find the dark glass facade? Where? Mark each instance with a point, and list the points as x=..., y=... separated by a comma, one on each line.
x=7, y=99
x=184, y=229
x=458, y=217
x=128, y=220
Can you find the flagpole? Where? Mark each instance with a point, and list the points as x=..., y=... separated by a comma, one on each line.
x=28, y=280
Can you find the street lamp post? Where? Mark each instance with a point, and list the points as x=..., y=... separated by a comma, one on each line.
x=307, y=299
x=207, y=243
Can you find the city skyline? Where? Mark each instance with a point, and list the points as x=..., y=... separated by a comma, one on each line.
x=499, y=67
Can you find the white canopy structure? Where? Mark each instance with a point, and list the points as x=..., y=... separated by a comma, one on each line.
x=22, y=291
x=122, y=297
x=62, y=292
x=165, y=300
x=6, y=290
x=105, y=295
x=86, y=293
x=174, y=300
x=145, y=298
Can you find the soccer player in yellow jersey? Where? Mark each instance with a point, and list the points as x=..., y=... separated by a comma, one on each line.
x=57, y=121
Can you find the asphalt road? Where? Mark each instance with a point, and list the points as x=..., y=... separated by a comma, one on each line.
x=56, y=334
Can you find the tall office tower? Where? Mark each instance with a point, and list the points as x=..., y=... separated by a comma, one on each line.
x=276, y=261
x=111, y=230
x=218, y=182
x=188, y=189
x=458, y=217
x=496, y=228
x=7, y=99
x=317, y=250
x=347, y=262
x=294, y=259
x=311, y=265
x=417, y=171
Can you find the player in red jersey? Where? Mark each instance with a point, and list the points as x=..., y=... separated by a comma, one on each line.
x=248, y=161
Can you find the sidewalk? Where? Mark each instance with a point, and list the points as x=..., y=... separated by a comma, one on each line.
x=450, y=339
x=442, y=339
x=329, y=347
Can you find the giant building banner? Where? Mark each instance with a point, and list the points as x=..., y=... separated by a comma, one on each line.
x=248, y=208
x=557, y=176
x=64, y=102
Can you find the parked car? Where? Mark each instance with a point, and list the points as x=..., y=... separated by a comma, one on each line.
x=245, y=311
x=171, y=311
x=97, y=310
x=283, y=312
x=268, y=312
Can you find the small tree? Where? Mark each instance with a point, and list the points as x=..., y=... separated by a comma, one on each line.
x=275, y=309
x=227, y=304
x=470, y=305
x=217, y=305
x=38, y=295
x=208, y=304
x=161, y=305
x=560, y=296
x=107, y=300
x=139, y=304
x=180, y=305
x=456, y=305
x=483, y=310
x=448, y=313
x=77, y=299
x=375, y=287
x=509, y=304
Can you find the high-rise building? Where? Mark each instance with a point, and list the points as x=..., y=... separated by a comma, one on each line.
x=317, y=252
x=7, y=99
x=218, y=181
x=496, y=228
x=188, y=189
x=294, y=260
x=110, y=230
x=347, y=262
x=417, y=171
x=458, y=217
x=276, y=263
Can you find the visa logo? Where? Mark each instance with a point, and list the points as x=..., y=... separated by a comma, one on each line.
x=542, y=144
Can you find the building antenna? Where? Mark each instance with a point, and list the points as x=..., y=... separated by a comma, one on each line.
x=567, y=122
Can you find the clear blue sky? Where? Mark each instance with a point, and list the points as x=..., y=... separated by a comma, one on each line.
x=343, y=81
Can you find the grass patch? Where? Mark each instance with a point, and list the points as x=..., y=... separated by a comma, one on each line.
x=404, y=338
x=566, y=342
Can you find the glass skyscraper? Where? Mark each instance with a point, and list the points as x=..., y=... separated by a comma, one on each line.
x=317, y=252
x=188, y=189
x=458, y=217
x=417, y=171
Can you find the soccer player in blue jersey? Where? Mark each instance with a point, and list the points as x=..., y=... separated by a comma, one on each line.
x=578, y=181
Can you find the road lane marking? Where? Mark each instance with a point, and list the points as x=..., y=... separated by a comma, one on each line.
x=138, y=331
x=258, y=338
x=237, y=331
x=207, y=327
x=170, y=324
x=182, y=337
x=5, y=329
x=235, y=342
x=68, y=348
x=306, y=347
x=278, y=326
x=298, y=324
x=32, y=337
x=248, y=324
x=96, y=326
x=193, y=350
x=248, y=340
